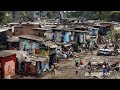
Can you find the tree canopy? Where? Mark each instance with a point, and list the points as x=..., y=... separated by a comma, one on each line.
x=2, y=16
x=101, y=15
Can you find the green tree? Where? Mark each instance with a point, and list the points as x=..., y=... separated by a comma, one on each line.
x=6, y=20
x=25, y=16
x=101, y=15
x=116, y=36
x=113, y=36
x=2, y=16
x=114, y=16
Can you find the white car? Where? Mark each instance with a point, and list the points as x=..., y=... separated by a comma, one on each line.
x=107, y=52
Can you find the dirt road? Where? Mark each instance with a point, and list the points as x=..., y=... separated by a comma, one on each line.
x=67, y=67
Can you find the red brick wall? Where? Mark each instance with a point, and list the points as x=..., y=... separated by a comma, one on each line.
x=26, y=29
x=18, y=31
x=39, y=33
x=36, y=26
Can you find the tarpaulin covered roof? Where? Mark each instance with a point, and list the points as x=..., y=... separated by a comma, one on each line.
x=50, y=44
x=44, y=29
x=13, y=39
x=4, y=29
x=32, y=37
x=5, y=54
x=34, y=58
x=20, y=55
x=66, y=45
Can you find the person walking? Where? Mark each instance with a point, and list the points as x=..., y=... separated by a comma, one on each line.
x=89, y=70
x=81, y=64
x=89, y=64
x=76, y=61
x=108, y=69
x=104, y=63
x=103, y=70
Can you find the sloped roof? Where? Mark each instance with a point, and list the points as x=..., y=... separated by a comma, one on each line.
x=19, y=54
x=44, y=29
x=4, y=29
x=13, y=39
x=32, y=37
x=50, y=44
x=5, y=54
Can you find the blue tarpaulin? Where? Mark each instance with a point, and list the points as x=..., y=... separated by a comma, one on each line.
x=46, y=67
x=66, y=37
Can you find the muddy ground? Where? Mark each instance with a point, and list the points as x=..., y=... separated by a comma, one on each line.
x=67, y=68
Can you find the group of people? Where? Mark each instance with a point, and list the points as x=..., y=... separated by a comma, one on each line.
x=106, y=69
x=67, y=53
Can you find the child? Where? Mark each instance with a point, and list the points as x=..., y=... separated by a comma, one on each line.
x=89, y=70
x=108, y=69
x=76, y=61
x=104, y=70
x=81, y=63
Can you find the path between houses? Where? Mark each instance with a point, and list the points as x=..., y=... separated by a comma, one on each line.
x=67, y=69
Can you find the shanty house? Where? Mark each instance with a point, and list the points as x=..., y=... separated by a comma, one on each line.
x=7, y=64
x=43, y=32
x=13, y=43
x=93, y=37
x=38, y=45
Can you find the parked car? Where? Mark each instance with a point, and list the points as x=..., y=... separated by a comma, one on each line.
x=106, y=52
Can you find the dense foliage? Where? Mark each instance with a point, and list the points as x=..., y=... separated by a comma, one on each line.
x=101, y=15
x=2, y=16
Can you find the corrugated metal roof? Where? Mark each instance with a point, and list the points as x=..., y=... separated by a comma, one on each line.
x=20, y=55
x=5, y=54
x=45, y=29
x=13, y=39
x=32, y=37
x=50, y=44
x=34, y=58
x=67, y=45
x=4, y=29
